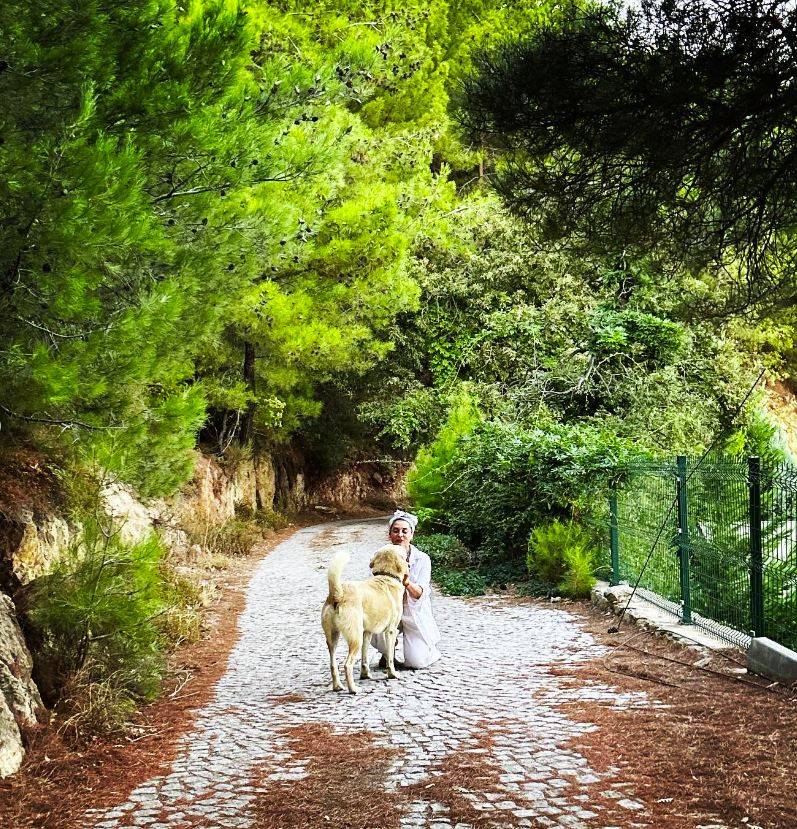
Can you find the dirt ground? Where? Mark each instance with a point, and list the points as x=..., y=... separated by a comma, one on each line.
x=715, y=741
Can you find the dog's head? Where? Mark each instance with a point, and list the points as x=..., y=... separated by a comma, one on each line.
x=390, y=559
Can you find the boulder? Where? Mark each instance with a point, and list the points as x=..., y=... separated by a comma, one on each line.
x=136, y=520
x=29, y=547
x=20, y=702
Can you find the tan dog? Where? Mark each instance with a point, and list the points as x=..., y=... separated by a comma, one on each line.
x=357, y=609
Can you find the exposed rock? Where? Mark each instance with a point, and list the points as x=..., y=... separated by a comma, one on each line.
x=30, y=548
x=324, y=510
x=265, y=483
x=360, y=485
x=20, y=702
x=137, y=520
x=209, y=495
x=132, y=517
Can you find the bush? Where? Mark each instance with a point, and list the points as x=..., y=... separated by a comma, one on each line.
x=445, y=551
x=579, y=578
x=270, y=519
x=428, y=477
x=96, y=621
x=506, y=478
x=89, y=706
x=454, y=583
x=235, y=537
x=561, y=554
x=180, y=621
x=452, y=565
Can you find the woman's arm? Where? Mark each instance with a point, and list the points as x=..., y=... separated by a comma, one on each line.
x=424, y=576
x=415, y=590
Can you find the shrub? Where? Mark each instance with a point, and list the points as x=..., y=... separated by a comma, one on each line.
x=561, y=554
x=454, y=583
x=271, y=519
x=452, y=565
x=579, y=577
x=506, y=478
x=95, y=617
x=445, y=551
x=428, y=477
x=235, y=537
x=180, y=620
x=235, y=458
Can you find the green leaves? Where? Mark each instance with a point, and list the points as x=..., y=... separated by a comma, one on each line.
x=181, y=180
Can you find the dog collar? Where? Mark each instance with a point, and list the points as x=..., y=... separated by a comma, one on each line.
x=392, y=576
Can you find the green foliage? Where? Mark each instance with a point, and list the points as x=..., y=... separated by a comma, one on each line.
x=97, y=612
x=457, y=583
x=184, y=193
x=534, y=329
x=561, y=554
x=452, y=565
x=608, y=113
x=758, y=436
x=426, y=480
x=546, y=551
x=579, y=579
x=506, y=478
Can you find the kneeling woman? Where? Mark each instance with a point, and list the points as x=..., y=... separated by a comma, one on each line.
x=419, y=629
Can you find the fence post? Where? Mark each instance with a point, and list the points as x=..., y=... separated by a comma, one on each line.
x=756, y=557
x=683, y=541
x=614, y=541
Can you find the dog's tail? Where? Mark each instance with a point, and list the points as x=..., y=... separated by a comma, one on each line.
x=333, y=575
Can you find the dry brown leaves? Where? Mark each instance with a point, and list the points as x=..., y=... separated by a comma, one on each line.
x=471, y=769
x=27, y=482
x=707, y=747
x=344, y=786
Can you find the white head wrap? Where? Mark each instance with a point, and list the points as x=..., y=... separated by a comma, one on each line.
x=400, y=515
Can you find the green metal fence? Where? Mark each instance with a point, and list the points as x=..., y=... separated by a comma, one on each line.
x=723, y=536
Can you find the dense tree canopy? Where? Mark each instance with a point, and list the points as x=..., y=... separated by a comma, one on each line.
x=670, y=126
x=246, y=220
x=199, y=208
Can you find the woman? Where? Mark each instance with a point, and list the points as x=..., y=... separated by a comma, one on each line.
x=419, y=628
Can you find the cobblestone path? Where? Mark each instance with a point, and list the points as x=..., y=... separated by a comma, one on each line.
x=494, y=678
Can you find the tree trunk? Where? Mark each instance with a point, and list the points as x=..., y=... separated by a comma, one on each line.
x=247, y=424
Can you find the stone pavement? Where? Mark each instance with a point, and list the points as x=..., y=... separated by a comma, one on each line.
x=494, y=677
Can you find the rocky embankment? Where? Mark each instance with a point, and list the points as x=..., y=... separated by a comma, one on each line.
x=35, y=529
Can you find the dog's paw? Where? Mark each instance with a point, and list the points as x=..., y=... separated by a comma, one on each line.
x=392, y=676
x=353, y=689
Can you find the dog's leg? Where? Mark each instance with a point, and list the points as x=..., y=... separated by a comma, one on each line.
x=354, y=652
x=390, y=637
x=365, y=669
x=332, y=643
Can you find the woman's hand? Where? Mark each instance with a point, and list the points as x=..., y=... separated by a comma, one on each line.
x=415, y=590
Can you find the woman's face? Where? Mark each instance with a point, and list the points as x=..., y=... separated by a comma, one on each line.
x=401, y=533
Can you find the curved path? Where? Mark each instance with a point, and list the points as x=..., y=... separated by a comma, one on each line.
x=493, y=697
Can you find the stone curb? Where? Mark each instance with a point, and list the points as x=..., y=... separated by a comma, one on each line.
x=647, y=616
